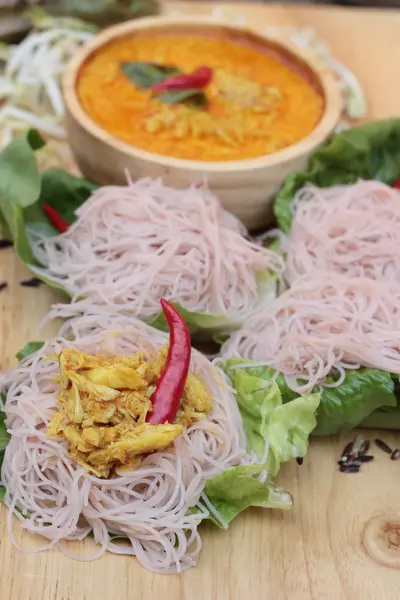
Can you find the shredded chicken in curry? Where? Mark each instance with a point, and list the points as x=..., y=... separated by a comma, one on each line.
x=103, y=404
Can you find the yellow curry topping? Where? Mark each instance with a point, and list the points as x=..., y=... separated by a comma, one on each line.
x=255, y=104
x=103, y=404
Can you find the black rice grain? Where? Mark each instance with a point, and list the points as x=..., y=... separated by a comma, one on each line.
x=347, y=449
x=34, y=282
x=364, y=458
x=395, y=454
x=364, y=447
x=350, y=468
x=383, y=446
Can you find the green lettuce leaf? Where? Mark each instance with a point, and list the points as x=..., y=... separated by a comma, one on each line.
x=289, y=429
x=4, y=435
x=274, y=245
x=386, y=417
x=102, y=12
x=29, y=349
x=261, y=372
x=362, y=392
x=65, y=192
x=267, y=418
x=354, y=402
x=279, y=499
x=214, y=326
x=41, y=20
x=197, y=322
x=370, y=151
x=239, y=488
x=383, y=418
x=19, y=188
x=4, y=439
x=269, y=423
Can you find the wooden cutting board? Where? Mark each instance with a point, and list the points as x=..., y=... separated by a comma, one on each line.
x=342, y=540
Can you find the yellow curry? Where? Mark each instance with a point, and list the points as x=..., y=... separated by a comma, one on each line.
x=103, y=404
x=255, y=103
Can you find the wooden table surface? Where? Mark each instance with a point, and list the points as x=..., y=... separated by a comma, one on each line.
x=342, y=540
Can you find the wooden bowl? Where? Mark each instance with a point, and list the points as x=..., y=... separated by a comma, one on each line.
x=245, y=187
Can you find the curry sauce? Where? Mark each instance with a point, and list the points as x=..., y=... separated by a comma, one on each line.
x=256, y=103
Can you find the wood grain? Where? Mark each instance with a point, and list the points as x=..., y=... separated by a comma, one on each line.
x=342, y=540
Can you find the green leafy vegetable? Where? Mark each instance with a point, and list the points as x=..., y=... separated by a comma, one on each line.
x=29, y=349
x=43, y=20
x=269, y=423
x=238, y=488
x=4, y=435
x=65, y=192
x=353, y=402
x=278, y=498
x=35, y=220
x=266, y=418
x=346, y=406
x=19, y=187
x=386, y=417
x=216, y=327
x=4, y=231
x=4, y=439
x=289, y=428
x=383, y=418
x=145, y=75
x=196, y=321
x=23, y=191
x=371, y=151
x=265, y=373
x=192, y=96
x=274, y=245
x=102, y=12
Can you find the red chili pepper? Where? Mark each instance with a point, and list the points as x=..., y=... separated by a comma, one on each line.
x=396, y=184
x=55, y=219
x=199, y=79
x=169, y=388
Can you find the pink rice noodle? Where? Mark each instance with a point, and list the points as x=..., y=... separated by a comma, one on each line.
x=324, y=322
x=133, y=245
x=351, y=230
x=149, y=506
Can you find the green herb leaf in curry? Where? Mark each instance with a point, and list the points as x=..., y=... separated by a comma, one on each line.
x=146, y=75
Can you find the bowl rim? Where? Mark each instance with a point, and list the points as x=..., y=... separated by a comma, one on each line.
x=326, y=79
